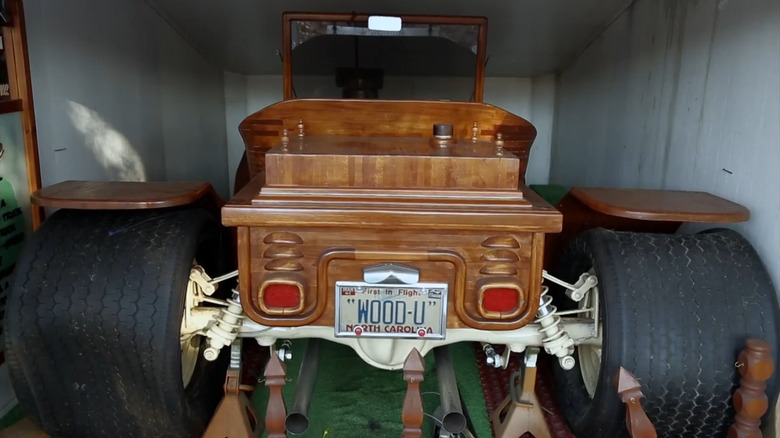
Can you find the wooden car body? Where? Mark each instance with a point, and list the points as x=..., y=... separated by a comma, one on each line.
x=340, y=186
x=329, y=189
x=393, y=227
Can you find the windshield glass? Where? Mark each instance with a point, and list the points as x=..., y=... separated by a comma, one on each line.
x=346, y=59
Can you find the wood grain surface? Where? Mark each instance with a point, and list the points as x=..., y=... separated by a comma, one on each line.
x=121, y=195
x=464, y=260
x=661, y=205
x=18, y=66
x=382, y=118
x=328, y=161
x=341, y=185
x=380, y=209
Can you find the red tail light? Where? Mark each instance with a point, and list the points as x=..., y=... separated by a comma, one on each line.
x=281, y=296
x=500, y=300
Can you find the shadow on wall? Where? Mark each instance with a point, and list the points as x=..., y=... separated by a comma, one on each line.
x=111, y=149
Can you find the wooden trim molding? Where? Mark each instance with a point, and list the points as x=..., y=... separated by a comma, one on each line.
x=11, y=106
x=18, y=62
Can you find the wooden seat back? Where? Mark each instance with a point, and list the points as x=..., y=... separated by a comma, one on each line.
x=377, y=118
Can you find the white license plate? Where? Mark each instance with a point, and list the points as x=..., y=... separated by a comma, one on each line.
x=391, y=311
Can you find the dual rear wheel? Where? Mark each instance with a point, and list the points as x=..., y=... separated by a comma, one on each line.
x=675, y=310
x=93, y=320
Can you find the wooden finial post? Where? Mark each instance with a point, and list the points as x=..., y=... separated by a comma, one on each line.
x=474, y=132
x=300, y=128
x=412, y=414
x=756, y=367
x=276, y=413
x=499, y=144
x=630, y=392
x=285, y=138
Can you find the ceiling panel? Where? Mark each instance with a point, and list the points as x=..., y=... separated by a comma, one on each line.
x=525, y=37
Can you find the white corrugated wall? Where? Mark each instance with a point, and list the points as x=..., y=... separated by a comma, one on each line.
x=119, y=95
x=680, y=95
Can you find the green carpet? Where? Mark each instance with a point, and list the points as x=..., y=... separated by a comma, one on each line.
x=13, y=416
x=354, y=399
x=551, y=193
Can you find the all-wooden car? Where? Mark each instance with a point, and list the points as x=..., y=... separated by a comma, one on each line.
x=393, y=227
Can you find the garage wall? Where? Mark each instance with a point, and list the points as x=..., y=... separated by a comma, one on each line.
x=530, y=98
x=681, y=95
x=193, y=110
x=119, y=95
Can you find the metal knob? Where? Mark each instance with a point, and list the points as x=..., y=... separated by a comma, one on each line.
x=442, y=130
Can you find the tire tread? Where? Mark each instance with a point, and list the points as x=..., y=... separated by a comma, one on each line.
x=678, y=308
x=89, y=330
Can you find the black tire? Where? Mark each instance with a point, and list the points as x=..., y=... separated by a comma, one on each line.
x=93, y=321
x=676, y=311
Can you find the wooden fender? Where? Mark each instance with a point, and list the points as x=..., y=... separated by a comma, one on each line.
x=126, y=195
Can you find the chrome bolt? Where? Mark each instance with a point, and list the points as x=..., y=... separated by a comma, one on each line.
x=285, y=351
x=491, y=358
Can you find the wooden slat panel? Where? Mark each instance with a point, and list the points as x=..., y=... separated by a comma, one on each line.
x=325, y=161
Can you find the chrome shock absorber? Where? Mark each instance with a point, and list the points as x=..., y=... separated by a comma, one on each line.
x=554, y=337
x=225, y=330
